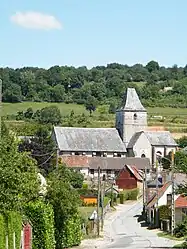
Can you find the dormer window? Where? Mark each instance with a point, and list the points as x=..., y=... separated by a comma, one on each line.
x=135, y=116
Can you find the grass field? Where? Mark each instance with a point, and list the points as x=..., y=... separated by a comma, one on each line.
x=9, y=109
x=175, y=119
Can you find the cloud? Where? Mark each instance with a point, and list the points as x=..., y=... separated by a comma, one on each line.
x=35, y=20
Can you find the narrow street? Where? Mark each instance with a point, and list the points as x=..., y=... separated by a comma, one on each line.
x=124, y=231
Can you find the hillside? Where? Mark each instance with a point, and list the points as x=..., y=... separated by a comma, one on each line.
x=99, y=85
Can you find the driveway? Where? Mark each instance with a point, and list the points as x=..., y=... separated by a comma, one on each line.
x=122, y=230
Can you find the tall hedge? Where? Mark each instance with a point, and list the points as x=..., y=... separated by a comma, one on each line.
x=2, y=232
x=42, y=220
x=71, y=233
x=10, y=223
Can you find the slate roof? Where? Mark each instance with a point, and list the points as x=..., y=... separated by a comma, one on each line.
x=118, y=163
x=88, y=139
x=152, y=184
x=156, y=138
x=131, y=101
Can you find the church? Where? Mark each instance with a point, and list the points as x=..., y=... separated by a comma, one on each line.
x=130, y=137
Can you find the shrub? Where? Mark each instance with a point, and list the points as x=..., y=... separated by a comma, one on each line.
x=133, y=194
x=164, y=212
x=85, y=185
x=72, y=233
x=42, y=219
x=181, y=229
x=130, y=194
x=2, y=232
x=10, y=223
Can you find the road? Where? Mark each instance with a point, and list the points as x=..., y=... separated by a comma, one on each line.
x=124, y=231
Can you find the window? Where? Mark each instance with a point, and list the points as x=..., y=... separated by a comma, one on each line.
x=109, y=172
x=77, y=153
x=135, y=116
x=92, y=171
x=118, y=155
x=143, y=156
x=98, y=153
x=104, y=154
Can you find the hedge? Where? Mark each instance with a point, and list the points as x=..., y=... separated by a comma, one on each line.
x=41, y=217
x=2, y=232
x=131, y=194
x=72, y=232
x=164, y=212
x=10, y=223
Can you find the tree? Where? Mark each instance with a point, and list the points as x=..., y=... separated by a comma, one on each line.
x=152, y=66
x=41, y=148
x=18, y=173
x=29, y=113
x=182, y=142
x=65, y=201
x=91, y=104
x=50, y=115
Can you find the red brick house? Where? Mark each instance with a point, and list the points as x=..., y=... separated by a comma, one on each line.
x=129, y=178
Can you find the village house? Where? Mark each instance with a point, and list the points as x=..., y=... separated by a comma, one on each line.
x=130, y=178
x=164, y=198
x=129, y=138
x=109, y=166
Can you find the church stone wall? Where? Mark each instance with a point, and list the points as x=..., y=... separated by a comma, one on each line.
x=143, y=147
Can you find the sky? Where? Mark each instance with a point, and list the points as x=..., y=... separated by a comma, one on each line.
x=92, y=32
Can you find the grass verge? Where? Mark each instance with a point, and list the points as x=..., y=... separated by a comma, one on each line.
x=169, y=236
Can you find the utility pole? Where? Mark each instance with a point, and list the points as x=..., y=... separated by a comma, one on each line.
x=145, y=192
x=157, y=222
x=102, y=207
x=98, y=201
x=173, y=195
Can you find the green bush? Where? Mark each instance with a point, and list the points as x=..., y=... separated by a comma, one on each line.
x=14, y=225
x=42, y=220
x=164, y=212
x=133, y=194
x=2, y=232
x=85, y=185
x=181, y=229
x=72, y=233
x=10, y=223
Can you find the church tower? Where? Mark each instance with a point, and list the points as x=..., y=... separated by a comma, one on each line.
x=131, y=117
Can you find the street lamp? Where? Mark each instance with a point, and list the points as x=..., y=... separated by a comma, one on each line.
x=173, y=190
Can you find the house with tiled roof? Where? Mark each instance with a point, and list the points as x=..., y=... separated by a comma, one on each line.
x=109, y=166
x=180, y=208
x=164, y=198
x=129, y=138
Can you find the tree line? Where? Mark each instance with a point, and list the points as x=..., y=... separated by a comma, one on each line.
x=101, y=84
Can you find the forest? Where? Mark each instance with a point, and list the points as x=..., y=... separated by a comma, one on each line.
x=156, y=85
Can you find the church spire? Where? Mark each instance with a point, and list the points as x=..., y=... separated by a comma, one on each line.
x=131, y=101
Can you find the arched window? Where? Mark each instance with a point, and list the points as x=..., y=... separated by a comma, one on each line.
x=135, y=116
x=143, y=156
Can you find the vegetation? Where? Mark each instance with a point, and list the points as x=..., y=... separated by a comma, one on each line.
x=10, y=223
x=98, y=85
x=18, y=173
x=65, y=201
x=42, y=220
x=169, y=236
x=164, y=212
